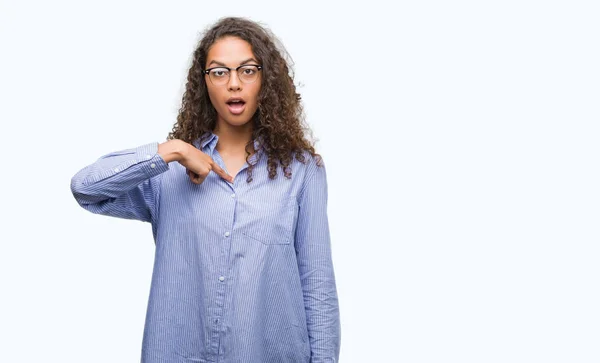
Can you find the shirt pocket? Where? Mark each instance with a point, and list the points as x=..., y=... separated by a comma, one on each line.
x=272, y=222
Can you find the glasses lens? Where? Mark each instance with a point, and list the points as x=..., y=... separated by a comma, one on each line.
x=248, y=74
x=219, y=75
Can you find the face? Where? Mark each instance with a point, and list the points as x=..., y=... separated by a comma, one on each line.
x=232, y=52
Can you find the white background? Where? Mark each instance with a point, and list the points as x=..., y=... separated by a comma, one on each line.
x=461, y=140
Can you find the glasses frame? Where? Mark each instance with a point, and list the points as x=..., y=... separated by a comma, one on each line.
x=207, y=71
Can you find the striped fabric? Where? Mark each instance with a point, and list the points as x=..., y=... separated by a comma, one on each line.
x=242, y=272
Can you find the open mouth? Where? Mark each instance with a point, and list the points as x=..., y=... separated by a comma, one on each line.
x=236, y=106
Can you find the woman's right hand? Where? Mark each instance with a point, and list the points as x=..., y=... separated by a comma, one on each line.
x=197, y=163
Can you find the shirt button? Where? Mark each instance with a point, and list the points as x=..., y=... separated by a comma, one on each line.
x=148, y=156
x=153, y=165
x=233, y=195
x=221, y=278
x=227, y=234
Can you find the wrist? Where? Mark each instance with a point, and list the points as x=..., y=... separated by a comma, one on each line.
x=173, y=150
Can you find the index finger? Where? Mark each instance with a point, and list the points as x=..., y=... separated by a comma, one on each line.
x=222, y=173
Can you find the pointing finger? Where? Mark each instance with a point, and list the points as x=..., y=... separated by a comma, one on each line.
x=222, y=173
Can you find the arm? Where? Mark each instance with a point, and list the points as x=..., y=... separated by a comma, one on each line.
x=313, y=251
x=125, y=183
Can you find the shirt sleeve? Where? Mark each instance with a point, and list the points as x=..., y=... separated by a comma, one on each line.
x=313, y=251
x=123, y=184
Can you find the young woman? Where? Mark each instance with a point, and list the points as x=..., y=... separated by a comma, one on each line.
x=237, y=199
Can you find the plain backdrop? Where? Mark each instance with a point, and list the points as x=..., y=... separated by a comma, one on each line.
x=461, y=140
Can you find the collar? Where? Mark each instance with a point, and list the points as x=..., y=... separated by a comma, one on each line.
x=209, y=138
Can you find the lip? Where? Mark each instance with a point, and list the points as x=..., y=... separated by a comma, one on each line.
x=235, y=99
x=236, y=109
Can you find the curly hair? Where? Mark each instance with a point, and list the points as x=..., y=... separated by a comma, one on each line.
x=279, y=121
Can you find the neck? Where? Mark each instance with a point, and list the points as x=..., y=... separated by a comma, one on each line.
x=232, y=139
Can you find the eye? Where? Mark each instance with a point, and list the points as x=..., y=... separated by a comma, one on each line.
x=249, y=71
x=219, y=72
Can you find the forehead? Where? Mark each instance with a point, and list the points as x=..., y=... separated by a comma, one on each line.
x=230, y=50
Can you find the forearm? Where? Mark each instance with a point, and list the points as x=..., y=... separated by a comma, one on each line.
x=322, y=313
x=122, y=183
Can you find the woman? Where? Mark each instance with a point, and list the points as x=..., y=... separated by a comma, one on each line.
x=237, y=199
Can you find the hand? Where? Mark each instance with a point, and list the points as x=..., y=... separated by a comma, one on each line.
x=197, y=163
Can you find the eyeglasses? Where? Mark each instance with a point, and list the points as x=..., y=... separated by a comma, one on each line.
x=247, y=73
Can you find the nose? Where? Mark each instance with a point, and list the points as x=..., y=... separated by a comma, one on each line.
x=234, y=82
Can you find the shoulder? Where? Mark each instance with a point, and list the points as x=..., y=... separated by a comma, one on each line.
x=311, y=170
x=309, y=162
x=305, y=165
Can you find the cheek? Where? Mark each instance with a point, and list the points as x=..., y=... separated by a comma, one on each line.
x=256, y=92
x=212, y=95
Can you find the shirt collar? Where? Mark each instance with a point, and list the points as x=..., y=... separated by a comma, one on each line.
x=209, y=138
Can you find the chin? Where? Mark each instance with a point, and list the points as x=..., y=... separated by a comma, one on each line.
x=238, y=122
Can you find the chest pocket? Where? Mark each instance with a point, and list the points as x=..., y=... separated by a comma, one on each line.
x=271, y=221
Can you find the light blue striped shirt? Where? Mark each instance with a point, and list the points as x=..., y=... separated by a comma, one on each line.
x=242, y=272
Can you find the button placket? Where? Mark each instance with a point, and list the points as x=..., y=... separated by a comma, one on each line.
x=222, y=288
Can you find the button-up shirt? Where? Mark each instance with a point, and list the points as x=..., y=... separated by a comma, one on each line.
x=243, y=271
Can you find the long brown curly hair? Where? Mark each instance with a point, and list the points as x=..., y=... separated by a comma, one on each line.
x=279, y=121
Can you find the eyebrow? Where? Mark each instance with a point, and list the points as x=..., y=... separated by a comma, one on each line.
x=223, y=64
